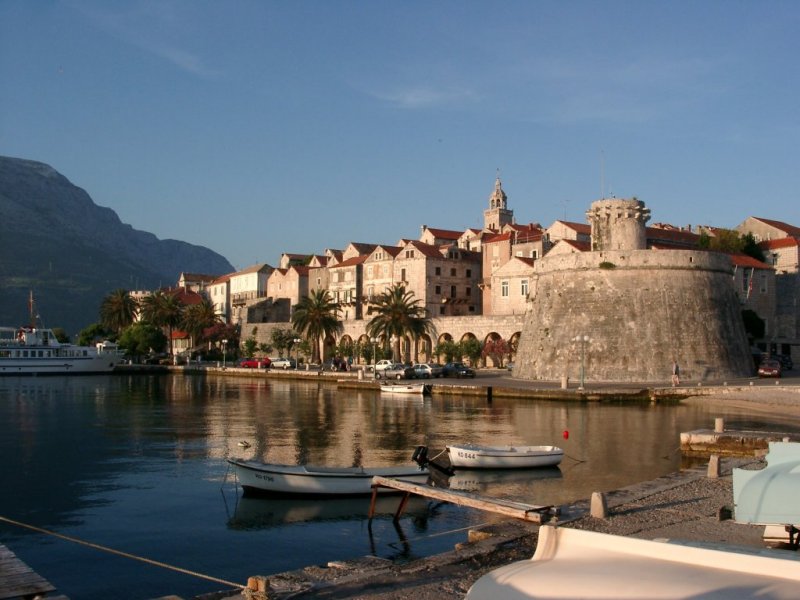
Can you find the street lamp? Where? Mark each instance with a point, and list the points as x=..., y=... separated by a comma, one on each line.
x=297, y=352
x=224, y=354
x=374, y=344
x=583, y=340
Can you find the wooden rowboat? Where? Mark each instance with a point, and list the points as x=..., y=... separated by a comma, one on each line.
x=305, y=480
x=472, y=456
x=419, y=389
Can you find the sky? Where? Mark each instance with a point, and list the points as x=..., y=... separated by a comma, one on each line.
x=261, y=127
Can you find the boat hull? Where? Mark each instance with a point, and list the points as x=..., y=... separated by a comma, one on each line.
x=418, y=389
x=469, y=456
x=58, y=365
x=298, y=480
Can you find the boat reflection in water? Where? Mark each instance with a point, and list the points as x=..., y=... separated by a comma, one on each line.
x=495, y=482
x=252, y=514
x=261, y=513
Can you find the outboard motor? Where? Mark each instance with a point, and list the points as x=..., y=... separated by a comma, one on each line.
x=420, y=456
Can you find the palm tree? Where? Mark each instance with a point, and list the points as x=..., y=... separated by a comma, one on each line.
x=162, y=309
x=197, y=318
x=118, y=310
x=399, y=315
x=317, y=317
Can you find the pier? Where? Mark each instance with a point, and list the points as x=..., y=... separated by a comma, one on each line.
x=18, y=580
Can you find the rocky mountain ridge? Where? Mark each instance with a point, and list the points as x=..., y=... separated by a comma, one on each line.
x=56, y=242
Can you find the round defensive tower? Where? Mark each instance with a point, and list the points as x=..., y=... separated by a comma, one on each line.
x=635, y=310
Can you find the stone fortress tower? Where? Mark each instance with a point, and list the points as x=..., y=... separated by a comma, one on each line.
x=635, y=310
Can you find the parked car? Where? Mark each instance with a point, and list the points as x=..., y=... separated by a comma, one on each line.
x=396, y=371
x=337, y=363
x=427, y=370
x=769, y=368
x=255, y=363
x=283, y=363
x=457, y=369
x=382, y=365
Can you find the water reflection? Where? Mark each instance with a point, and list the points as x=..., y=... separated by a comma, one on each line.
x=137, y=463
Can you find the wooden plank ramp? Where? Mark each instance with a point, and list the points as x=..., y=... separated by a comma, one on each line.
x=18, y=580
x=518, y=510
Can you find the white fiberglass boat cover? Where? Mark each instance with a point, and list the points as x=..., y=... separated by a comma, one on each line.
x=571, y=564
x=770, y=496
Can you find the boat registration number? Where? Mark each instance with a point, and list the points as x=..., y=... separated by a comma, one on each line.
x=264, y=477
x=462, y=454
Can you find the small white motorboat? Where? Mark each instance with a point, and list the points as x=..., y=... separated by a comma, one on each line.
x=305, y=480
x=571, y=563
x=472, y=456
x=420, y=389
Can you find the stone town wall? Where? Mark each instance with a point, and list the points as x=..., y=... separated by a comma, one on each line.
x=641, y=309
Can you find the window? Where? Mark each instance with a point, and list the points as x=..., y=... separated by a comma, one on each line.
x=504, y=289
x=763, y=283
x=523, y=287
x=438, y=270
x=370, y=291
x=471, y=309
x=469, y=272
x=452, y=272
x=438, y=289
x=402, y=274
x=469, y=291
x=369, y=272
x=452, y=291
x=441, y=310
x=534, y=254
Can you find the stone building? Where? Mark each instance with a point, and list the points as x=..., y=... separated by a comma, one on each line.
x=629, y=312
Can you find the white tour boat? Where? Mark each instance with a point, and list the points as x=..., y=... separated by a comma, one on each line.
x=472, y=456
x=37, y=351
x=305, y=480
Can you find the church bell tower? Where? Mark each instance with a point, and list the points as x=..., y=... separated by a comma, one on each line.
x=497, y=215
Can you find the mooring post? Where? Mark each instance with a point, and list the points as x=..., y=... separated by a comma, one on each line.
x=713, y=467
x=489, y=394
x=599, y=506
x=719, y=425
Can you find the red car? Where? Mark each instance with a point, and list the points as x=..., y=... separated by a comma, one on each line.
x=769, y=368
x=255, y=363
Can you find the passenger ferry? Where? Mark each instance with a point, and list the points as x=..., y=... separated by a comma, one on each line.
x=34, y=351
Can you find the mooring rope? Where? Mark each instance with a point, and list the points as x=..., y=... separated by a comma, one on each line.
x=121, y=553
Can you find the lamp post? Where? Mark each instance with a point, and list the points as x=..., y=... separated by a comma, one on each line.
x=374, y=344
x=583, y=340
x=224, y=354
x=296, y=341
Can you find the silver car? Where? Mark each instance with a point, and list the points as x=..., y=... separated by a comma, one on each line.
x=396, y=371
x=427, y=370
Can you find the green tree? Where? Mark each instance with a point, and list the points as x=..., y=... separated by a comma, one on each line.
x=449, y=349
x=197, y=319
x=141, y=338
x=282, y=339
x=118, y=310
x=61, y=335
x=316, y=317
x=162, y=309
x=751, y=248
x=399, y=314
x=88, y=335
x=471, y=348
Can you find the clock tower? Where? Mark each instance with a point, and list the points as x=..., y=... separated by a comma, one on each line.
x=497, y=215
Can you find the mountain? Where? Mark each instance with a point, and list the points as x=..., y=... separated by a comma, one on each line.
x=56, y=242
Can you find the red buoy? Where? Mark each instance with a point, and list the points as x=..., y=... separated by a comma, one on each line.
x=565, y=435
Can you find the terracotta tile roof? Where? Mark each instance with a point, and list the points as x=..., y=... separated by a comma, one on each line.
x=528, y=261
x=222, y=279
x=497, y=237
x=356, y=260
x=198, y=277
x=428, y=250
x=363, y=248
x=580, y=246
x=252, y=269
x=445, y=234
x=743, y=260
x=790, y=230
x=677, y=236
x=579, y=227
x=779, y=243
x=300, y=269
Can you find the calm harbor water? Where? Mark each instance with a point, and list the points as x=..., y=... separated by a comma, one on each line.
x=137, y=463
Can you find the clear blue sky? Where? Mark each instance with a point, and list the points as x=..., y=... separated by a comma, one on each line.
x=256, y=128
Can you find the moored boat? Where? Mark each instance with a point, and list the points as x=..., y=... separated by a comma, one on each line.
x=305, y=480
x=37, y=351
x=406, y=388
x=472, y=456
